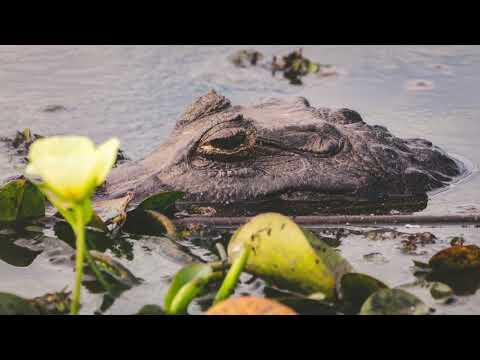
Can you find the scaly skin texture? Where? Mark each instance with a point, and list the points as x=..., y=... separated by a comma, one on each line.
x=281, y=148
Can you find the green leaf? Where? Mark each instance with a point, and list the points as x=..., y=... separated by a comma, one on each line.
x=336, y=263
x=186, y=284
x=288, y=256
x=19, y=200
x=356, y=288
x=15, y=305
x=161, y=201
x=393, y=302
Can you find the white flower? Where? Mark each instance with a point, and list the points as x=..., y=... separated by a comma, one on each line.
x=70, y=166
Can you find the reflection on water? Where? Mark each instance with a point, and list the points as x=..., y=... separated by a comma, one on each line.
x=138, y=92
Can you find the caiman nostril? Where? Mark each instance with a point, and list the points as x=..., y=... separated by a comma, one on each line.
x=317, y=144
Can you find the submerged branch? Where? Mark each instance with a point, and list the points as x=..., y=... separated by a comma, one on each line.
x=344, y=220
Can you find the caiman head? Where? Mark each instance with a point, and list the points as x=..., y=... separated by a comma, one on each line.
x=283, y=150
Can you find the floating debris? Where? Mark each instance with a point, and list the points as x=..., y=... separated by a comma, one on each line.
x=20, y=143
x=375, y=258
x=245, y=58
x=457, y=266
x=413, y=241
x=458, y=258
x=419, y=85
x=293, y=66
x=457, y=240
x=442, y=68
x=121, y=157
x=57, y=303
x=54, y=108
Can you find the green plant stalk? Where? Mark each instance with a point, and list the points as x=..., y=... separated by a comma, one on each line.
x=79, y=230
x=189, y=291
x=232, y=276
x=185, y=296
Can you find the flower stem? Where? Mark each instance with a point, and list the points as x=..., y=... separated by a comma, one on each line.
x=79, y=230
x=232, y=276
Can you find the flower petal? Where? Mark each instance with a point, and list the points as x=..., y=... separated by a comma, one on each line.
x=60, y=147
x=65, y=164
x=106, y=156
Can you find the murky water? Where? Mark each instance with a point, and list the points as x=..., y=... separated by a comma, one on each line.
x=137, y=92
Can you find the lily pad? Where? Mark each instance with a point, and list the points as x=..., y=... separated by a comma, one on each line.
x=356, y=288
x=393, y=302
x=151, y=309
x=186, y=284
x=160, y=202
x=20, y=200
x=440, y=290
x=249, y=305
x=288, y=256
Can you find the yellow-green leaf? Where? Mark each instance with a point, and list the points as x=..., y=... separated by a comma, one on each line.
x=19, y=199
x=393, y=302
x=282, y=253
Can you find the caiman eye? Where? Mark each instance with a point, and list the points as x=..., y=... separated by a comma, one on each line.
x=228, y=142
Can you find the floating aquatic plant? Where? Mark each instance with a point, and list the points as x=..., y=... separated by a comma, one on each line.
x=20, y=200
x=270, y=246
x=67, y=169
x=288, y=255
